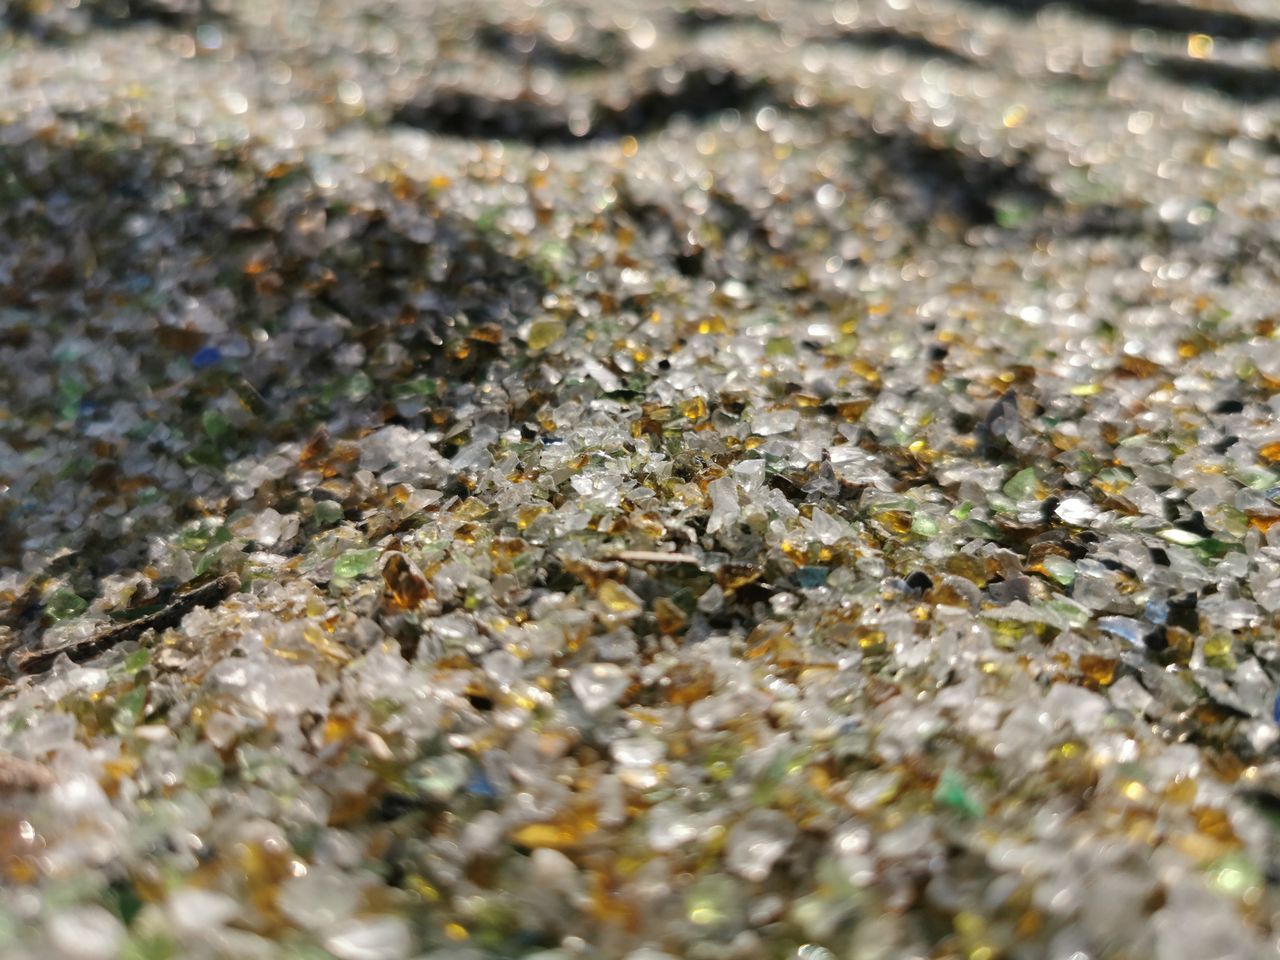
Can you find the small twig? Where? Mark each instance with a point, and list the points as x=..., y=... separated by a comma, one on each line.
x=206, y=595
x=653, y=556
x=18, y=774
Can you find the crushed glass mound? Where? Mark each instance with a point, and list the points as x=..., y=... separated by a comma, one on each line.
x=732, y=480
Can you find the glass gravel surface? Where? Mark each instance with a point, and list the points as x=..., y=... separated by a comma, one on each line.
x=752, y=480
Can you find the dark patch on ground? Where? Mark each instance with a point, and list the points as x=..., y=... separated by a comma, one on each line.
x=700, y=93
x=60, y=21
x=466, y=114
x=706, y=18
x=1146, y=15
x=736, y=240
x=910, y=45
x=934, y=183
x=1245, y=84
x=100, y=225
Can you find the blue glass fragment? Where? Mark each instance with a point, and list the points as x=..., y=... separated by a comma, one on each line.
x=206, y=357
x=812, y=577
x=1126, y=628
x=1157, y=610
x=481, y=786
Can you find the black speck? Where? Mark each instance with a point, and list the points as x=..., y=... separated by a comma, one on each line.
x=920, y=581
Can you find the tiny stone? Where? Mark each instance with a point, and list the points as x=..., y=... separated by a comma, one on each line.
x=194, y=911
x=86, y=933
x=378, y=938
x=599, y=685
x=318, y=899
x=1077, y=511
x=775, y=422
x=757, y=842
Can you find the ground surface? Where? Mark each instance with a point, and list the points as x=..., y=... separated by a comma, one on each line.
x=758, y=480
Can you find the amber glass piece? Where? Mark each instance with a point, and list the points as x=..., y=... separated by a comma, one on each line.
x=406, y=587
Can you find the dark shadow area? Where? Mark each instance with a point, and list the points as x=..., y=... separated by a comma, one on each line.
x=725, y=241
x=57, y=21
x=935, y=184
x=706, y=18
x=700, y=93
x=456, y=112
x=596, y=51
x=909, y=45
x=174, y=14
x=1142, y=14
x=171, y=309
x=1099, y=221
x=1245, y=84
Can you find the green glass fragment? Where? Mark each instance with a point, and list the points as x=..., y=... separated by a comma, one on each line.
x=327, y=513
x=953, y=793
x=1061, y=569
x=1023, y=485
x=780, y=347
x=129, y=710
x=215, y=425
x=202, y=776
x=355, y=562
x=358, y=387
x=1234, y=875
x=440, y=777
x=64, y=605
x=151, y=947
x=710, y=902
x=922, y=525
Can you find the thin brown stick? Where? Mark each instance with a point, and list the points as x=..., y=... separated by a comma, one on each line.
x=18, y=774
x=206, y=595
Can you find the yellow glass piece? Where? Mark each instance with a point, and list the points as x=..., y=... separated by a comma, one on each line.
x=543, y=333
x=618, y=600
x=1199, y=46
